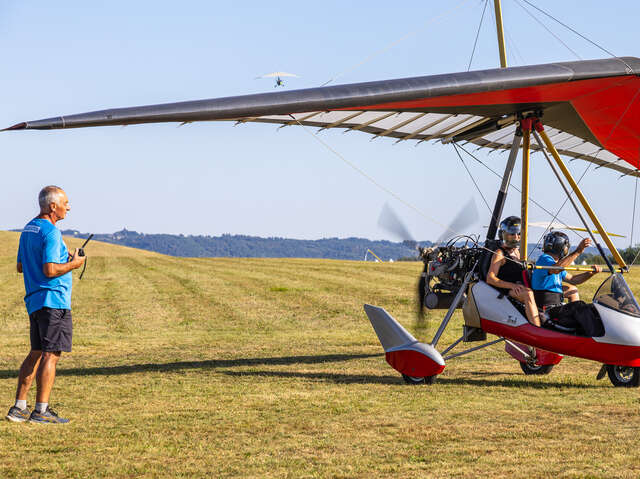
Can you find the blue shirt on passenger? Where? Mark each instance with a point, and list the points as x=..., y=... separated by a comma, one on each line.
x=542, y=279
x=40, y=243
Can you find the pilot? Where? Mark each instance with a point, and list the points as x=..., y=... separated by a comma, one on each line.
x=547, y=284
x=505, y=271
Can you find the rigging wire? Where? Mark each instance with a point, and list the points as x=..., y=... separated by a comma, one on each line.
x=475, y=43
x=394, y=43
x=511, y=185
x=517, y=57
x=576, y=32
x=455, y=147
x=547, y=29
x=387, y=190
x=397, y=197
x=548, y=228
x=370, y=178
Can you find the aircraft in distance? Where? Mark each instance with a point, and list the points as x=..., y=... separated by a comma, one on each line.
x=587, y=110
x=278, y=76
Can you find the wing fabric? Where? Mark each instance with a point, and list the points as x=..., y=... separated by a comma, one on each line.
x=591, y=109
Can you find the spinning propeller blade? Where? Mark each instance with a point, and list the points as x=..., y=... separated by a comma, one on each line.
x=392, y=223
x=467, y=216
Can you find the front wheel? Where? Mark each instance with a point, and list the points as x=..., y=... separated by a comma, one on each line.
x=528, y=368
x=623, y=376
x=414, y=380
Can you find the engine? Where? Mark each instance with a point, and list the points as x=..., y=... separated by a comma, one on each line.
x=444, y=270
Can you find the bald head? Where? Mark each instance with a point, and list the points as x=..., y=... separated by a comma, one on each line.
x=49, y=194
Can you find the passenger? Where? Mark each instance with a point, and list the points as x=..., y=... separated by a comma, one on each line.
x=505, y=274
x=547, y=284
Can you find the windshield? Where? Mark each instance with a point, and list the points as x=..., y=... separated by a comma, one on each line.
x=615, y=294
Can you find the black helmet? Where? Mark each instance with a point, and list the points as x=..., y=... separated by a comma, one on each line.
x=557, y=243
x=511, y=225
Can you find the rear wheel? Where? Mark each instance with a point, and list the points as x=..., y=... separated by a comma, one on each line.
x=623, y=376
x=414, y=380
x=528, y=368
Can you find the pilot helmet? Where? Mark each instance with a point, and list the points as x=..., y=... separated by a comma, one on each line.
x=510, y=225
x=557, y=243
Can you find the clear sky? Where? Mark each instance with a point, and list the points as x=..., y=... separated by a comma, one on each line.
x=213, y=178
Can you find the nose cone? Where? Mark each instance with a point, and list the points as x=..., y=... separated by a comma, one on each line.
x=17, y=126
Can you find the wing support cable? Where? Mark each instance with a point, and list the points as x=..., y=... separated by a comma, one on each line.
x=506, y=180
x=555, y=216
x=514, y=187
x=579, y=34
x=471, y=176
x=539, y=132
x=404, y=202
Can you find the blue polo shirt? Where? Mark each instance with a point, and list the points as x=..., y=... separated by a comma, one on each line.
x=40, y=243
x=542, y=279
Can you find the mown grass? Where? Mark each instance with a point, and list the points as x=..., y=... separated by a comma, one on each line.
x=269, y=368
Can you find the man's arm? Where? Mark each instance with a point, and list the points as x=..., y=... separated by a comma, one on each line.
x=19, y=267
x=53, y=270
x=571, y=257
x=582, y=277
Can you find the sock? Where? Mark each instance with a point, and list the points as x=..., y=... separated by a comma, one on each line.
x=21, y=404
x=41, y=407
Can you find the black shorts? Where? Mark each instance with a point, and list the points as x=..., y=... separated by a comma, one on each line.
x=51, y=330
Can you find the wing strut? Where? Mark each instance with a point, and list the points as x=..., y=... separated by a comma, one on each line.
x=525, y=124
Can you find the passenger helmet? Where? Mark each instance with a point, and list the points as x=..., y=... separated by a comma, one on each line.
x=511, y=225
x=557, y=243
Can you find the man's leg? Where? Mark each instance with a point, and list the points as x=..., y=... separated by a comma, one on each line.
x=46, y=375
x=570, y=292
x=56, y=331
x=19, y=412
x=27, y=373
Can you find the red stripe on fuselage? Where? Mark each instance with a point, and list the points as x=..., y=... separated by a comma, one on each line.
x=561, y=343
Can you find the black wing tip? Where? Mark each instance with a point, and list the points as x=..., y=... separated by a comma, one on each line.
x=17, y=126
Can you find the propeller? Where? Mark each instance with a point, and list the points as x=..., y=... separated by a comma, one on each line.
x=391, y=222
x=467, y=216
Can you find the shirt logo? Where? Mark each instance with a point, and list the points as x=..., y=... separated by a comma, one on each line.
x=31, y=229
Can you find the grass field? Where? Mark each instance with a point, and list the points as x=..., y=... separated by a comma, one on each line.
x=269, y=368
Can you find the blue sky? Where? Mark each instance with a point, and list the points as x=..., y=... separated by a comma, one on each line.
x=213, y=178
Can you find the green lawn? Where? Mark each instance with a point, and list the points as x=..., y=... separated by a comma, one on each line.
x=270, y=368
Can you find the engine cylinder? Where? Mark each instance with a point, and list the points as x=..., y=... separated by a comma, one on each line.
x=433, y=300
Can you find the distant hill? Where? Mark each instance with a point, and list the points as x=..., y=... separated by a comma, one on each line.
x=242, y=246
x=253, y=246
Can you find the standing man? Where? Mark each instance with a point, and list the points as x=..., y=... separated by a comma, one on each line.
x=44, y=260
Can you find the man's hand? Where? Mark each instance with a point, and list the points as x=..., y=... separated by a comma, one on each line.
x=597, y=269
x=53, y=270
x=584, y=244
x=76, y=260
